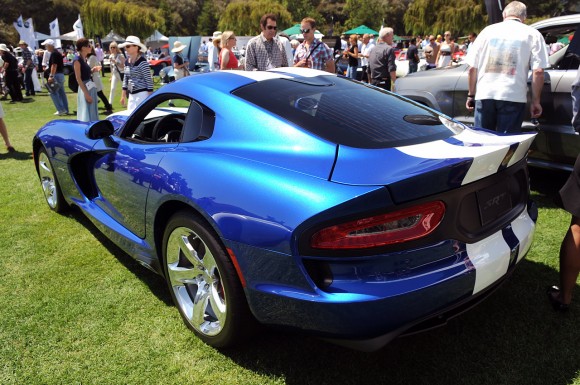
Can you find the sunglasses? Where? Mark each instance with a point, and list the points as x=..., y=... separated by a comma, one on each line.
x=272, y=27
x=306, y=30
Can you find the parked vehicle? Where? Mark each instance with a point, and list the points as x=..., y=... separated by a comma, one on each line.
x=271, y=196
x=557, y=144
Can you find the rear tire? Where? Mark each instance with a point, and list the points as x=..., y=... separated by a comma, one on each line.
x=203, y=282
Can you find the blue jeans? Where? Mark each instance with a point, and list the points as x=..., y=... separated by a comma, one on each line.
x=499, y=115
x=351, y=72
x=413, y=67
x=58, y=93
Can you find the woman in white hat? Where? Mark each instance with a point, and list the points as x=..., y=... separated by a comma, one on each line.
x=87, y=110
x=180, y=64
x=138, y=81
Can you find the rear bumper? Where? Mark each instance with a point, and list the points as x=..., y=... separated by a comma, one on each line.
x=371, y=301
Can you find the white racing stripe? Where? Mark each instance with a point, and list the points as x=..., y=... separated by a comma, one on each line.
x=281, y=73
x=487, y=151
x=491, y=256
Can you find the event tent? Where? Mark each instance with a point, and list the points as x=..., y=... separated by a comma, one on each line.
x=294, y=33
x=68, y=36
x=361, y=30
x=39, y=36
x=111, y=37
x=157, y=37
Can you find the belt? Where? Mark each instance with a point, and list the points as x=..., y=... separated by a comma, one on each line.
x=445, y=54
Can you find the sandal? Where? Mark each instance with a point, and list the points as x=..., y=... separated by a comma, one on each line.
x=552, y=293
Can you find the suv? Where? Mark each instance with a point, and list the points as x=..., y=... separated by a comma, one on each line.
x=557, y=144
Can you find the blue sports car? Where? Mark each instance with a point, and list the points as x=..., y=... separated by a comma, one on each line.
x=299, y=199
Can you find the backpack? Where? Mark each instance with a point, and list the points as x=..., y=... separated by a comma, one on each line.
x=73, y=85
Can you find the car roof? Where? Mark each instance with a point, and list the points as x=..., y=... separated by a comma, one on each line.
x=227, y=81
x=555, y=21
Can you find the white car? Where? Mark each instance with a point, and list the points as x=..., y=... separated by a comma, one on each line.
x=403, y=63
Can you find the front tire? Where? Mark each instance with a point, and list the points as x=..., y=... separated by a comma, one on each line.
x=50, y=187
x=203, y=282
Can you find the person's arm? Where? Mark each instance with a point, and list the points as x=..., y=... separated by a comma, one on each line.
x=392, y=66
x=225, y=56
x=471, y=88
x=537, y=86
x=251, y=64
x=330, y=66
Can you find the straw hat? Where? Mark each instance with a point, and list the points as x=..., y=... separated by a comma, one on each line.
x=22, y=42
x=178, y=46
x=133, y=40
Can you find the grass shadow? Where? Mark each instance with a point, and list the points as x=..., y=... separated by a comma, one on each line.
x=514, y=337
x=154, y=282
x=17, y=155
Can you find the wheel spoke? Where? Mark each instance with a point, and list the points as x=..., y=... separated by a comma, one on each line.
x=200, y=304
x=217, y=302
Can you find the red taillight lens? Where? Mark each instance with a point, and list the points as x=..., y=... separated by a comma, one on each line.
x=381, y=230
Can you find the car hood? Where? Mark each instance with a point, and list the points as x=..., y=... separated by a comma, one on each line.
x=431, y=167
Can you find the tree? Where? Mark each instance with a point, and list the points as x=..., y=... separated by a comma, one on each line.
x=243, y=17
x=458, y=16
x=299, y=9
x=208, y=19
x=100, y=16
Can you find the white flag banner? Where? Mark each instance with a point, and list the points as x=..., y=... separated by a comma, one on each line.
x=55, y=32
x=78, y=27
x=19, y=26
x=29, y=34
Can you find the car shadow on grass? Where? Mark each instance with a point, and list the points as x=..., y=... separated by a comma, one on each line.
x=513, y=337
x=155, y=282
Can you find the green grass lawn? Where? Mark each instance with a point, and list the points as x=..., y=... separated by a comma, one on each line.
x=74, y=309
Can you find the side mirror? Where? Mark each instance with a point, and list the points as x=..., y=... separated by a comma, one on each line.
x=100, y=130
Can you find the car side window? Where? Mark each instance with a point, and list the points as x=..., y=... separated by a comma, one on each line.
x=558, y=39
x=159, y=120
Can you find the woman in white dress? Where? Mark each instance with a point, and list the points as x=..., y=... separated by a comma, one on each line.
x=446, y=51
x=117, y=60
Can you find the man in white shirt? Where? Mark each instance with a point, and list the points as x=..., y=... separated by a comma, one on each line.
x=364, y=57
x=212, y=53
x=499, y=61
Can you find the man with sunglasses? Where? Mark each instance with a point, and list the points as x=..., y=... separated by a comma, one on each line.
x=265, y=51
x=313, y=53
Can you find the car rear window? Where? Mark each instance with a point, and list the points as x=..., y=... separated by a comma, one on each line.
x=347, y=112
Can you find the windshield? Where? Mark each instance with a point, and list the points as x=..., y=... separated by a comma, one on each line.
x=349, y=112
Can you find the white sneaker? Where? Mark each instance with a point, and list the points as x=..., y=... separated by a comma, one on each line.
x=62, y=114
x=57, y=113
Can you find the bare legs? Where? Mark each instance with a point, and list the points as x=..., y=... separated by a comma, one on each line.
x=4, y=133
x=569, y=261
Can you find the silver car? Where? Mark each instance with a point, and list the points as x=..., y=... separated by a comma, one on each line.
x=557, y=145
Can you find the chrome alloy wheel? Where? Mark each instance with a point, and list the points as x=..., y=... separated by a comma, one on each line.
x=194, y=276
x=47, y=180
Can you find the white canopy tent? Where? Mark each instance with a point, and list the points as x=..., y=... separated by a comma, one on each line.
x=68, y=36
x=39, y=36
x=157, y=37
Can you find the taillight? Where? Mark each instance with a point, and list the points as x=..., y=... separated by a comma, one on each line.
x=381, y=230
